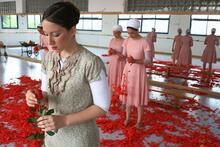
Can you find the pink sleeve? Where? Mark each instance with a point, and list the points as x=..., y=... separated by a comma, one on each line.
x=217, y=41
x=191, y=41
x=155, y=37
x=205, y=42
x=147, y=58
x=146, y=45
x=124, y=46
x=110, y=44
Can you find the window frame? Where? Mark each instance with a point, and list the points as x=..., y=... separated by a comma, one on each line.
x=91, y=18
x=10, y=22
x=141, y=22
x=204, y=20
x=34, y=21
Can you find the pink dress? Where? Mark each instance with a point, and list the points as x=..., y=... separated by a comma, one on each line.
x=209, y=54
x=151, y=38
x=44, y=44
x=116, y=65
x=177, y=47
x=185, y=56
x=134, y=79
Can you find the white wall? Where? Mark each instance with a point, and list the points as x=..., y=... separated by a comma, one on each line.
x=163, y=44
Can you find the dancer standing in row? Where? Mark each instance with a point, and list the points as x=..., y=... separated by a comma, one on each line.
x=134, y=79
x=176, y=46
x=151, y=39
x=185, y=56
x=117, y=61
x=209, y=53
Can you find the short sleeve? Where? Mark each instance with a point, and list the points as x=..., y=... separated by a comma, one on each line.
x=93, y=69
x=145, y=45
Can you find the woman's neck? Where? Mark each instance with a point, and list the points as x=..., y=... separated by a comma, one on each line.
x=137, y=37
x=70, y=50
x=118, y=38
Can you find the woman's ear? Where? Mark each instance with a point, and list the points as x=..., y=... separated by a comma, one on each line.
x=73, y=30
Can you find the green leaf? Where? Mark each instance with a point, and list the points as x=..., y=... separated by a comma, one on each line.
x=32, y=120
x=42, y=112
x=49, y=112
x=33, y=136
x=51, y=133
x=40, y=136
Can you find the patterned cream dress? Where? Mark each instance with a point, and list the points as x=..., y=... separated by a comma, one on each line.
x=69, y=92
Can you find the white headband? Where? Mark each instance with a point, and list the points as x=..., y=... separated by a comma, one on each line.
x=133, y=23
x=117, y=28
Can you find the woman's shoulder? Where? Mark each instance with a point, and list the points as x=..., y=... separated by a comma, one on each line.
x=143, y=40
x=49, y=55
x=87, y=56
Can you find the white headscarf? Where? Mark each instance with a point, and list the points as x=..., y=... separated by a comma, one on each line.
x=117, y=28
x=133, y=23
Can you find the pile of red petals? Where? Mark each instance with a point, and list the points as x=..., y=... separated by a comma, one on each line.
x=169, y=119
x=14, y=114
x=199, y=78
x=177, y=121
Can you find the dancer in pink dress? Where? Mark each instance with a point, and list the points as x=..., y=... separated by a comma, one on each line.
x=176, y=46
x=43, y=40
x=209, y=54
x=151, y=39
x=117, y=61
x=185, y=56
x=134, y=79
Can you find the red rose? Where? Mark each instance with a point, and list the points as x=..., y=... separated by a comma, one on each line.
x=111, y=51
x=130, y=59
x=36, y=49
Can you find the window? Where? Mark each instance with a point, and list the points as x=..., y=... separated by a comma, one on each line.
x=9, y=22
x=90, y=22
x=33, y=21
x=205, y=23
x=148, y=21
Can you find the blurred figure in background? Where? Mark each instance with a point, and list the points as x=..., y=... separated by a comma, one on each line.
x=185, y=56
x=209, y=53
x=43, y=40
x=117, y=61
x=176, y=46
x=151, y=39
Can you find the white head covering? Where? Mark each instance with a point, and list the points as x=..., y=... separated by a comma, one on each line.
x=117, y=28
x=133, y=23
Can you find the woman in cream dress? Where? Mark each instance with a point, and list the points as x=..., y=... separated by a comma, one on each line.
x=74, y=83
